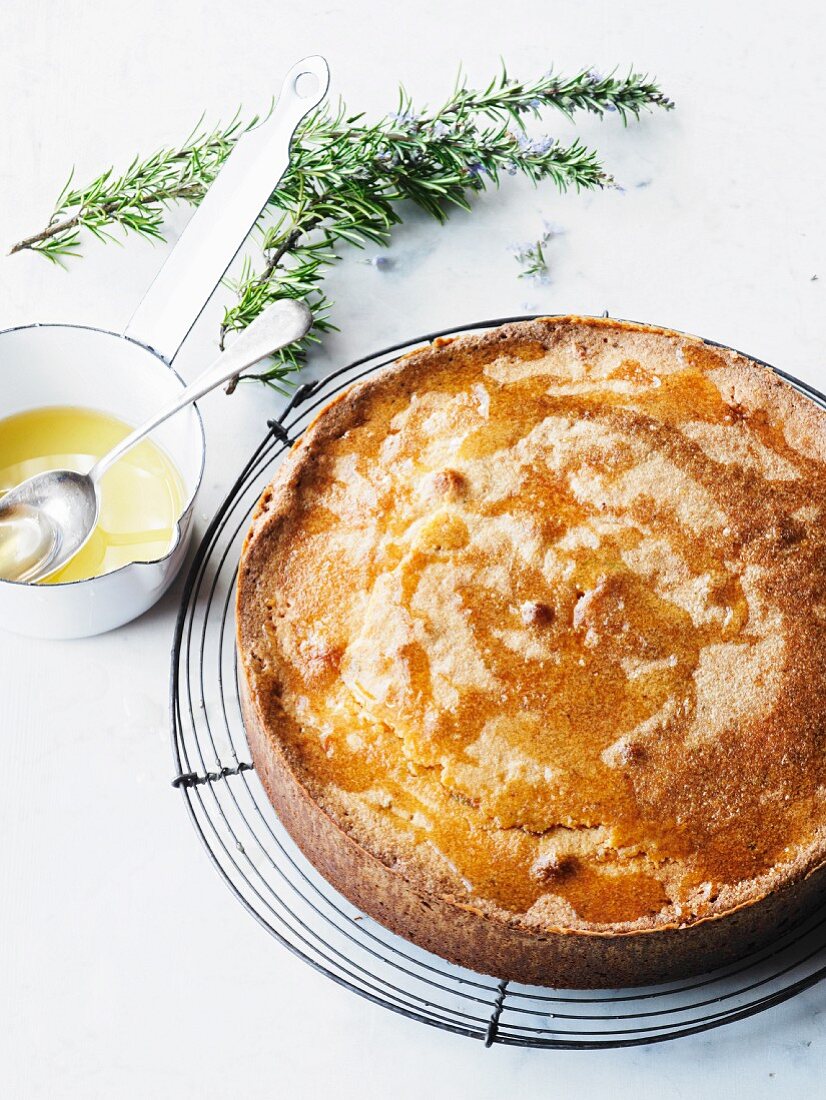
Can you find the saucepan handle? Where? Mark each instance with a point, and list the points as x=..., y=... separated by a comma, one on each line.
x=225, y=216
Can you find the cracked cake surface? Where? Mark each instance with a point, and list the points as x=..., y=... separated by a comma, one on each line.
x=537, y=620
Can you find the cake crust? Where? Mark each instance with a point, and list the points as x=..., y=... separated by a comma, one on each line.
x=532, y=633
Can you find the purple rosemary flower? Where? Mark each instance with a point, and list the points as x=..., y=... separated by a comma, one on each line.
x=535, y=146
x=404, y=118
x=388, y=157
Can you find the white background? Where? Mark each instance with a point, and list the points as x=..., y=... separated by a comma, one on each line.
x=126, y=968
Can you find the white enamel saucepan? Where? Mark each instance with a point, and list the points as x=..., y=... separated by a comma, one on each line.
x=130, y=374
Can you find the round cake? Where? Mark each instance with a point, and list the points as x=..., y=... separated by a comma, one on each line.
x=532, y=627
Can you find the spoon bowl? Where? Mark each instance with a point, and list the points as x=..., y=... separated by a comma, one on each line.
x=53, y=514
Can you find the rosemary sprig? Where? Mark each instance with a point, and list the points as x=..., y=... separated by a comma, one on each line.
x=531, y=255
x=347, y=178
x=137, y=199
x=533, y=260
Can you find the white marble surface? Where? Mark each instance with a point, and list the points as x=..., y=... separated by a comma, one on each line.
x=126, y=968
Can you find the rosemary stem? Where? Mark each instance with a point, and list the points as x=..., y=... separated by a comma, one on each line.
x=46, y=234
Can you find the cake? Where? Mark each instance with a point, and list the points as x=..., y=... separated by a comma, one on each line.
x=532, y=635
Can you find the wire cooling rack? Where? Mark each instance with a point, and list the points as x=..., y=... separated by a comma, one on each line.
x=277, y=885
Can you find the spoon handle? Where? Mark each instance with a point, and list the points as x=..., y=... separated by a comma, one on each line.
x=280, y=324
x=225, y=216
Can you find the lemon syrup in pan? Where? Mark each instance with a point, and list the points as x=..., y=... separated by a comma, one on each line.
x=141, y=496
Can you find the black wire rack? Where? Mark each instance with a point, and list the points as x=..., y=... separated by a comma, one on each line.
x=279, y=887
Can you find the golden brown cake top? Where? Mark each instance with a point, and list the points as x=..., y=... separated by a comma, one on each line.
x=538, y=618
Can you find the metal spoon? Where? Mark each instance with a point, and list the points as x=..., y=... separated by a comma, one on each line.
x=46, y=519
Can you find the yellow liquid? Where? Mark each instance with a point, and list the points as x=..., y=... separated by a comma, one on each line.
x=141, y=496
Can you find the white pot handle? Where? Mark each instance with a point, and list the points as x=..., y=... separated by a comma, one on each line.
x=225, y=216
